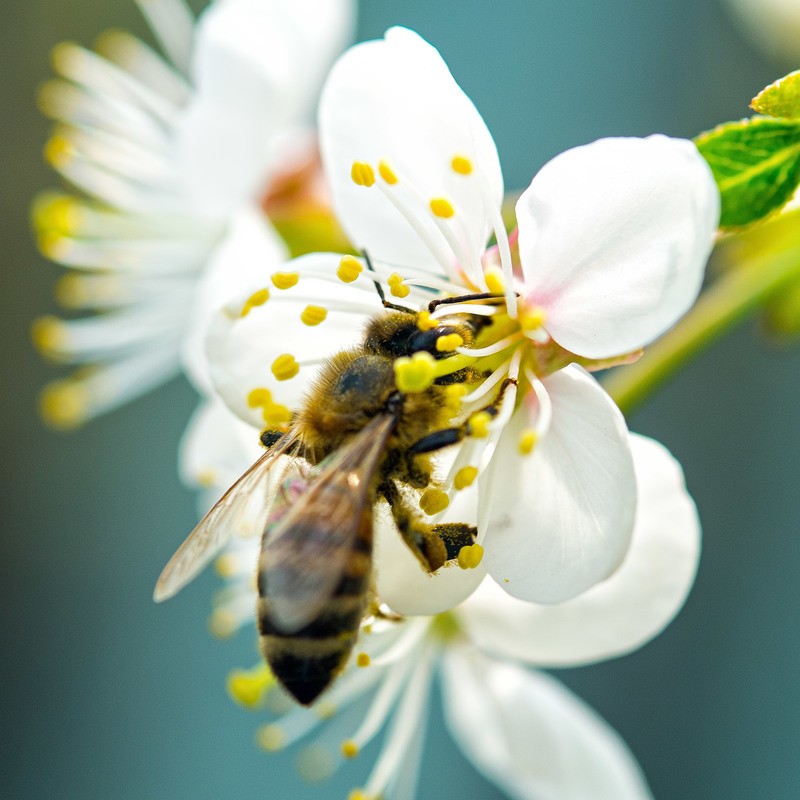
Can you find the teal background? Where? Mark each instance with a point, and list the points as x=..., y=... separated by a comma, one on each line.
x=106, y=695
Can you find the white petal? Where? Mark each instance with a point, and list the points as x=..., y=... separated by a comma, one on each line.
x=246, y=256
x=531, y=736
x=395, y=99
x=257, y=65
x=401, y=581
x=614, y=237
x=560, y=519
x=627, y=609
x=242, y=349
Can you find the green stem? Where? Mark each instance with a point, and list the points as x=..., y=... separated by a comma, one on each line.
x=726, y=302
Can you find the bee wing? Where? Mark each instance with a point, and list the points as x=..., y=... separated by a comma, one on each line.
x=245, y=503
x=306, y=554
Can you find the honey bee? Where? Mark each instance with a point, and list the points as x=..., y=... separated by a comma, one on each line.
x=355, y=441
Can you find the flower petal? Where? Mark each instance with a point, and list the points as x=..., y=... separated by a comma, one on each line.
x=560, y=519
x=245, y=338
x=614, y=237
x=395, y=100
x=531, y=736
x=623, y=612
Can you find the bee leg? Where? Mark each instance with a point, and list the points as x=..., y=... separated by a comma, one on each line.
x=269, y=437
x=454, y=536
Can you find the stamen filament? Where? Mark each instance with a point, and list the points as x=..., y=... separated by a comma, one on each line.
x=497, y=347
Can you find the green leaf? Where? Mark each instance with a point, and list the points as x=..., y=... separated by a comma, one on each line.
x=756, y=163
x=780, y=99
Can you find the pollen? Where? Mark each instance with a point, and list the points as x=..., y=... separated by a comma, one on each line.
x=363, y=660
x=349, y=269
x=225, y=566
x=64, y=404
x=359, y=794
x=387, y=173
x=444, y=344
x=259, y=397
x=461, y=164
x=453, y=397
x=424, y=321
x=527, y=441
x=442, y=207
x=285, y=367
x=52, y=245
x=470, y=556
x=396, y=286
x=479, y=424
x=465, y=477
x=271, y=738
x=433, y=501
x=285, y=280
x=48, y=335
x=313, y=315
x=494, y=280
x=59, y=151
x=256, y=299
x=362, y=174
x=206, y=478
x=275, y=415
x=416, y=373
x=249, y=687
x=349, y=748
x=532, y=318
x=56, y=213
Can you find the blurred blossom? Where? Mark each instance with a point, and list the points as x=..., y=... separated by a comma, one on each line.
x=175, y=158
x=774, y=25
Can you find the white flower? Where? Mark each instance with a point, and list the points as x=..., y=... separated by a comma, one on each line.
x=174, y=157
x=612, y=243
x=521, y=729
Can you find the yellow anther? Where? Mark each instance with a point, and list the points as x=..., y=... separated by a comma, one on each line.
x=225, y=565
x=527, y=441
x=387, y=173
x=271, y=738
x=48, y=334
x=222, y=624
x=206, y=478
x=59, y=213
x=433, y=501
x=325, y=709
x=532, y=318
x=70, y=291
x=285, y=280
x=442, y=207
x=444, y=344
x=275, y=415
x=470, y=556
x=363, y=660
x=415, y=374
x=259, y=397
x=494, y=280
x=313, y=315
x=461, y=164
x=248, y=687
x=349, y=269
x=285, y=367
x=59, y=151
x=453, y=396
x=52, y=245
x=396, y=285
x=424, y=321
x=359, y=794
x=64, y=404
x=362, y=174
x=465, y=477
x=479, y=424
x=350, y=749
x=256, y=299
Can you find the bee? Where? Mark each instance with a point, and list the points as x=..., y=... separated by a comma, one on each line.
x=355, y=441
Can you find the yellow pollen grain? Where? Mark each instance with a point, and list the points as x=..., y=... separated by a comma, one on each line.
x=424, y=321
x=313, y=315
x=359, y=794
x=275, y=414
x=362, y=174
x=396, y=286
x=349, y=748
x=387, y=173
x=349, y=269
x=60, y=214
x=206, y=477
x=59, y=151
x=285, y=280
x=444, y=344
x=64, y=404
x=52, y=245
x=532, y=318
x=433, y=501
x=363, y=660
x=48, y=334
x=527, y=441
x=442, y=207
x=248, y=687
x=225, y=566
x=470, y=556
x=285, y=367
x=256, y=299
x=259, y=397
x=416, y=373
x=461, y=164
x=271, y=738
x=494, y=280
x=453, y=396
x=465, y=477
x=479, y=424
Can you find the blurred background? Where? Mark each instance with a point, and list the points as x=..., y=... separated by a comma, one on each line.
x=106, y=695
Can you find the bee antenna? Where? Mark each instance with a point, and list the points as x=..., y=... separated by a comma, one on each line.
x=379, y=289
